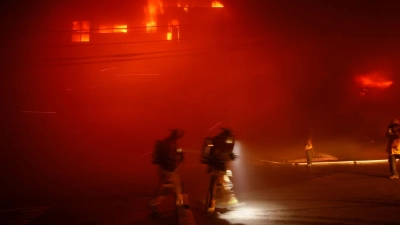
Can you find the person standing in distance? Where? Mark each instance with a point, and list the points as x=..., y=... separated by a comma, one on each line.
x=393, y=147
x=308, y=147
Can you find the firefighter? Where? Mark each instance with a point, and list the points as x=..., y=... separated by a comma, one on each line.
x=308, y=147
x=217, y=154
x=168, y=155
x=393, y=147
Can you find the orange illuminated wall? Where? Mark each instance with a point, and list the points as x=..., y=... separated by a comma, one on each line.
x=80, y=31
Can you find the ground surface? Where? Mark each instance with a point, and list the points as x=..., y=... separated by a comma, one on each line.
x=274, y=194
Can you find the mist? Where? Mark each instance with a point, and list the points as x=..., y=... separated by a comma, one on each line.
x=266, y=69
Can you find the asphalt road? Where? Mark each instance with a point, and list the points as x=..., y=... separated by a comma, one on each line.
x=274, y=194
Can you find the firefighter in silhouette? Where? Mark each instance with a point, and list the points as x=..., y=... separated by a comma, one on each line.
x=217, y=154
x=168, y=156
x=393, y=147
x=308, y=147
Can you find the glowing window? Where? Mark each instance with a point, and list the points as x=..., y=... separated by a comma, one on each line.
x=115, y=29
x=169, y=36
x=80, y=31
x=120, y=28
x=173, y=33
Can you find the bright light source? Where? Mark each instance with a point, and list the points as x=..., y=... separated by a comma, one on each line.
x=217, y=4
x=169, y=36
x=375, y=79
x=256, y=210
x=354, y=162
x=84, y=37
x=237, y=148
x=242, y=213
x=151, y=26
x=154, y=8
x=120, y=29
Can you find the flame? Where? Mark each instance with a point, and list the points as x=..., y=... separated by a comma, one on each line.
x=154, y=8
x=120, y=29
x=217, y=4
x=151, y=26
x=374, y=79
x=173, y=27
x=116, y=29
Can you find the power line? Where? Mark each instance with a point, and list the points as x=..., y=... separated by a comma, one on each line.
x=143, y=28
x=88, y=44
x=57, y=62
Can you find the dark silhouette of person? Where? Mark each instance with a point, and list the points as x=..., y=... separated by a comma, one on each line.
x=218, y=154
x=168, y=155
x=308, y=146
x=393, y=147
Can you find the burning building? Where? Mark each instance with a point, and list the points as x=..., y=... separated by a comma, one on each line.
x=151, y=20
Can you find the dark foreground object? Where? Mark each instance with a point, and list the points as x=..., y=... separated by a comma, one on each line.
x=274, y=194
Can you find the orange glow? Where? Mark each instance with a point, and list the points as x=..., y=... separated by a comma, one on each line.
x=174, y=33
x=85, y=26
x=76, y=26
x=151, y=26
x=175, y=23
x=76, y=37
x=374, y=79
x=345, y=162
x=154, y=7
x=85, y=38
x=120, y=29
x=216, y=4
x=116, y=29
x=184, y=8
x=80, y=31
x=105, y=30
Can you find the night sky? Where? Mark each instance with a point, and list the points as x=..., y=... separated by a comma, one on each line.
x=266, y=69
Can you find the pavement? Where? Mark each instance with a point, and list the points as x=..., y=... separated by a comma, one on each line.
x=334, y=192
